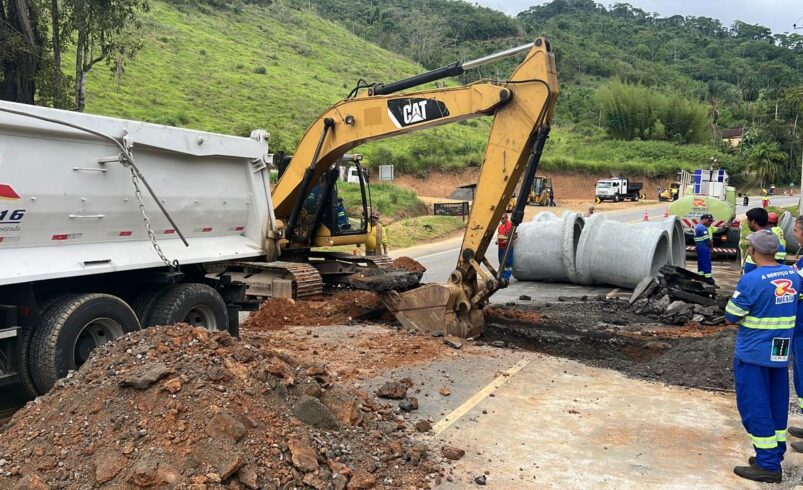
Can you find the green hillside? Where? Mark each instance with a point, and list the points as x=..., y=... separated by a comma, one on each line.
x=271, y=67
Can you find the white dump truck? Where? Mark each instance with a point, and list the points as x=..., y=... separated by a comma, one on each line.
x=108, y=225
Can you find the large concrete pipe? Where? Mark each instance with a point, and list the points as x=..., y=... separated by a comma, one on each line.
x=546, y=248
x=620, y=254
x=677, y=241
x=787, y=224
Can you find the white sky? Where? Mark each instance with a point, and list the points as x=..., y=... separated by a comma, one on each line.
x=778, y=15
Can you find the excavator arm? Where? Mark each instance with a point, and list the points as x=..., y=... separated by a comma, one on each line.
x=522, y=107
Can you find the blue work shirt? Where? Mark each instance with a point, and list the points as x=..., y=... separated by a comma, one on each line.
x=765, y=305
x=701, y=236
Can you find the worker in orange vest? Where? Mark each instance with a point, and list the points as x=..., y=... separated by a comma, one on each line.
x=502, y=239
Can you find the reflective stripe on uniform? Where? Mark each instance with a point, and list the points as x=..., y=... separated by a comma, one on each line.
x=778, y=323
x=735, y=310
x=703, y=238
x=764, y=442
x=780, y=256
x=780, y=435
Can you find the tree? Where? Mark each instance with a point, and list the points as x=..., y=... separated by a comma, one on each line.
x=21, y=50
x=103, y=29
x=766, y=161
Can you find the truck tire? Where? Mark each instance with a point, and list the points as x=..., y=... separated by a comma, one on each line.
x=24, y=351
x=617, y=198
x=144, y=303
x=71, y=328
x=194, y=303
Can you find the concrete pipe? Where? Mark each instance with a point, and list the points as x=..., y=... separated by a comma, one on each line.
x=787, y=224
x=677, y=240
x=546, y=248
x=620, y=254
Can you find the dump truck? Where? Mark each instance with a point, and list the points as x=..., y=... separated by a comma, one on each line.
x=618, y=189
x=109, y=225
x=708, y=191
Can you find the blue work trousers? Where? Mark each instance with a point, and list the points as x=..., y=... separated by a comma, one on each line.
x=797, y=367
x=704, y=261
x=507, y=270
x=762, y=397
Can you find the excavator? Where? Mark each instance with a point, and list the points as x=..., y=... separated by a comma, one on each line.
x=306, y=199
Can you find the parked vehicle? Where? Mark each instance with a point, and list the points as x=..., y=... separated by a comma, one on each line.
x=618, y=189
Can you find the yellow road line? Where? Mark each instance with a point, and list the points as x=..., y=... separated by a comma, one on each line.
x=472, y=402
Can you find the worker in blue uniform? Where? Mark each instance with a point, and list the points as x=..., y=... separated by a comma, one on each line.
x=765, y=306
x=703, y=245
x=757, y=219
x=797, y=347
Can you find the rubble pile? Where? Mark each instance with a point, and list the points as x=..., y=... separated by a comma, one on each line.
x=182, y=407
x=677, y=297
x=338, y=309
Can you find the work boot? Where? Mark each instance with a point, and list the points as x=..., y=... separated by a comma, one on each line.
x=755, y=473
x=795, y=432
x=797, y=447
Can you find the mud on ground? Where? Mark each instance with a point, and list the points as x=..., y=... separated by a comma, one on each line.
x=607, y=334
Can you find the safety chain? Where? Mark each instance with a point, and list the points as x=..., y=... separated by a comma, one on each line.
x=138, y=193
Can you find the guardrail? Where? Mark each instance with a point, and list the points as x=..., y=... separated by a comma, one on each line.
x=451, y=209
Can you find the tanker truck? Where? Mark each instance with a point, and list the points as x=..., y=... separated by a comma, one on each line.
x=707, y=191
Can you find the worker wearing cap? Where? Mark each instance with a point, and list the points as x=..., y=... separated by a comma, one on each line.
x=764, y=305
x=703, y=245
x=772, y=222
x=502, y=239
x=757, y=219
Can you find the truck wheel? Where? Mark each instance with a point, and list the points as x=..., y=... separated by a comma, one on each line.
x=194, y=303
x=71, y=328
x=617, y=198
x=144, y=303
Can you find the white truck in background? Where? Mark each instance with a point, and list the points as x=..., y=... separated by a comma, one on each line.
x=91, y=252
x=617, y=189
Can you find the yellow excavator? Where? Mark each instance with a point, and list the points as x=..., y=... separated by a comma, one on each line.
x=307, y=203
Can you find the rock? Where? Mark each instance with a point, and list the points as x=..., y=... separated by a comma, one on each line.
x=423, y=426
x=697, y=318
x=409, y=404
x=445, y=391
x=108, y=464
x=318, y=480
x=279, y=368
x=453, y=453
x=525, y=297
x=313, y=389
x=343, y=405
x=150, y=471
x=32, y=482
x=481, y=480
x=361, y=480
x=644, y=289
x=304, y=456
x=248, y=477
x=393, y=390
x=229, y=463
x=453, y=342
x=678, y=308
x=224, y=426
x=706, y=310
x=416, y=453
x=172, y=385
x=312, y=412
x=437, y=333
x=142, y=377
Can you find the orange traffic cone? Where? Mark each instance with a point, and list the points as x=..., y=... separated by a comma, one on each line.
x=646, y=216
x=666, y=213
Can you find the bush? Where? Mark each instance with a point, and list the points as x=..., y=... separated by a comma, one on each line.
x=260, y=70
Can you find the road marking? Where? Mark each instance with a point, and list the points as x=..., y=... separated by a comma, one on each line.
x=451, y=250
x=481, y=395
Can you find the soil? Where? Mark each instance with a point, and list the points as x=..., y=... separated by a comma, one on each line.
x=177, y=406
x=337, y=309
x=568, y=185
x=605, y=333
x=407, y=264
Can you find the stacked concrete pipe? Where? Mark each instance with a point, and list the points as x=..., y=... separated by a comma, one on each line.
x=677, y=240
x=546, y=248
x=620, y=254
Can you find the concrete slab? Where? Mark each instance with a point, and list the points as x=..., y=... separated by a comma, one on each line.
x=557, y=423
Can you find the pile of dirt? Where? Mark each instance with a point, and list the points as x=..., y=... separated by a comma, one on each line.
x=407, y=264
x=178, y=407
x=336, y=309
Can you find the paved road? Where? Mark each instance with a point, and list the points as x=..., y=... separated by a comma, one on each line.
x=440, y=258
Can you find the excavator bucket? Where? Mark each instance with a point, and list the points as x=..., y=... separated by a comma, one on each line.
x=434, y=307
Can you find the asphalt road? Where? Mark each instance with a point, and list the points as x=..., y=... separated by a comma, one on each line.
x=440, y=258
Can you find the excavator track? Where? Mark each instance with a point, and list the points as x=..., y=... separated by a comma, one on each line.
x=307, y=279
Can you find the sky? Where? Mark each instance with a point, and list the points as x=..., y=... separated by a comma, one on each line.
x=778, y=15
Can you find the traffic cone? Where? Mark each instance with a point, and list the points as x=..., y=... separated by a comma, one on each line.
x=666, y=213
x=646, y=216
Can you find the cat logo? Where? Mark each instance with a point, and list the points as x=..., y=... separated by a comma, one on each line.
x=410, y=111
x=8, y=193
